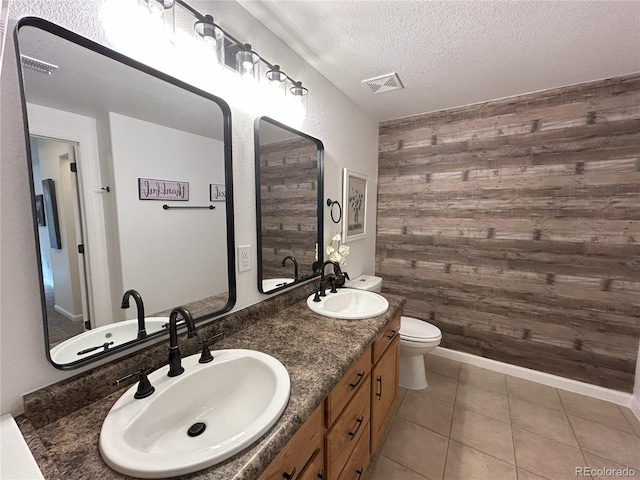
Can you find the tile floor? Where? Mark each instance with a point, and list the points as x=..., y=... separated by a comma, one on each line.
x=476, y=424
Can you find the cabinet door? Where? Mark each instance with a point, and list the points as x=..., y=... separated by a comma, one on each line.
x=384, y=389
x=304, y=448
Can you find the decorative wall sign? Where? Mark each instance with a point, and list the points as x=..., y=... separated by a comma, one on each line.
x=153, y=189
x=217, y=193
x=42, y=221
x=51, y=211
x=354, y=201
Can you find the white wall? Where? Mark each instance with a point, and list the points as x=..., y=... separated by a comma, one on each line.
x=349, y=136
x=172, y=258
x=635, y=398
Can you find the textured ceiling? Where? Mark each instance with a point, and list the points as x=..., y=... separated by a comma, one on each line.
x=452, y=53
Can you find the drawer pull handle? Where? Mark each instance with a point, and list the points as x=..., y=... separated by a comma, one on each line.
x=357, y=382
x=289, y=476
x=393, y=334
x=355, y=432
x=379, y=394
x=359, y=472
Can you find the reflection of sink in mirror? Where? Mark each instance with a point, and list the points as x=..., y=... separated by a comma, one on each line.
x=272, y=283
x=236, y=398
x=350, y=304
x=113, y=335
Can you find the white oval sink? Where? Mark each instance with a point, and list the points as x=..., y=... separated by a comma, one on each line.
x=273, y=283
x=350, y=304
x=238, y=396
x=118, y=333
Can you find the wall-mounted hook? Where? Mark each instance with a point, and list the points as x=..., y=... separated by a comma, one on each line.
x=106, y=189
x=331, y=203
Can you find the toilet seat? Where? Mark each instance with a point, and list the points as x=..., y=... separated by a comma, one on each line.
x=417, y=331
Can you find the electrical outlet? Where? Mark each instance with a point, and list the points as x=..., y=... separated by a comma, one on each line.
x=244, y=258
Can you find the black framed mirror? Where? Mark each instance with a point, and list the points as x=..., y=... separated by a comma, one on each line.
x=289, y=213
x=131, y=184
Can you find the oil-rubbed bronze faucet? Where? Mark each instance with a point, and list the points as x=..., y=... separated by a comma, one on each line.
x=142, y=332
x=175, y=359
x=336, y=271
x=295, y=265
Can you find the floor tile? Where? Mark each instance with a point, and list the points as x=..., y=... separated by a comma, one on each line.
x=606, y=469
x=524, y=475
x=464, y=463
x=631, y=418
x=387, y=469
x=416, y=448
x=541, y=420
x=545, y=457
x=595, y=410
x=427, y=411
x=607, y=442
x=483, y=378
x=442, y=366
x=491, y=404
x=533, y=392
x=441, y=387
x=483, y=433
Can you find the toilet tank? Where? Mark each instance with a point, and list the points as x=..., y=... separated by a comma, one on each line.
x=366, y=282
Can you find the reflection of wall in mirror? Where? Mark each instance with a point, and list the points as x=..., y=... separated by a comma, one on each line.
x=173, y=256
x=289, y=199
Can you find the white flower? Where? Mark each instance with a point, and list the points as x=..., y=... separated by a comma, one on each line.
x=343, y=262
x=335, y=257
x=330, y=250
x=336, y=237
x=343, y=250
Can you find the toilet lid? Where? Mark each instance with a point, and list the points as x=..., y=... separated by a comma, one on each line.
x=412, y=328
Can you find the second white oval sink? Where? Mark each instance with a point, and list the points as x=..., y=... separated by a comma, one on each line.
x=237, y=397
x=350, y=304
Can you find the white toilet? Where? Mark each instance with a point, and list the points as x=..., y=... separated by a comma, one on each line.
x=416, y=339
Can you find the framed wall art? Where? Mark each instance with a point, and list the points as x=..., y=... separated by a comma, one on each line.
x=42, y=221
x=354, y=201
x=51, y=212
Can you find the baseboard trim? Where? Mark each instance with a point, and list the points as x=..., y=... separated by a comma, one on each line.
x=634, y=406
x=69, y=315
x=615, y=396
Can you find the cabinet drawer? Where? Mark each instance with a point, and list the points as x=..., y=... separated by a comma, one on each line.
x=385, y=338
x=359, y=459
x=347, y=430
x=299, y=451
x=348, y=386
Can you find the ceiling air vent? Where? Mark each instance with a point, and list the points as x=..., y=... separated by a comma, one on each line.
x=38, y=65
x=384, y=83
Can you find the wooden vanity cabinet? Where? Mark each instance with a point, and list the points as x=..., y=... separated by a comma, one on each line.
x=302, y=458
x=354, y=414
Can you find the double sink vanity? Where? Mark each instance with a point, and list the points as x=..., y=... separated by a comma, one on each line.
x=300, y=385
x=343, y=381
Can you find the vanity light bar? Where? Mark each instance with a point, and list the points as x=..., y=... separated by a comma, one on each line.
x=38, y=65
x=273, y=74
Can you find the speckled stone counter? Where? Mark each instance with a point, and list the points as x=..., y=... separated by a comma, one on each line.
x=317, y=352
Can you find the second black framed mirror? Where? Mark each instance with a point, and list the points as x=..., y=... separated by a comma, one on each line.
x=289, y=210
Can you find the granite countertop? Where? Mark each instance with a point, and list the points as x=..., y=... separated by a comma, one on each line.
x=317, y=352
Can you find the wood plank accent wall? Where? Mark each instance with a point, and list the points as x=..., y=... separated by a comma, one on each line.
x=514, y=226
x=289, y=199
